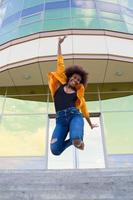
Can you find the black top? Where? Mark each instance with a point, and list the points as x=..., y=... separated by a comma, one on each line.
x=63, y=100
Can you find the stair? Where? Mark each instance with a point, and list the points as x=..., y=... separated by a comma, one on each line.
x=78, y=184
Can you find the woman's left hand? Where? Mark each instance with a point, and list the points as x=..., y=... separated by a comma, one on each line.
x=94, y=126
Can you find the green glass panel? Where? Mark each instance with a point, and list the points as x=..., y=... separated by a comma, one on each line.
x=87, y=23
x=47, y=1
x=23, y=135
x=3, y=9
x=9, y=28
x=51, y=108
x=113, y=25
x=130, y=28
x=8, y=32
x=58, y=13
x=110, y=1
x=30, y=29
x=110, y=15
x=127, y=3
x=13, y=6
x=31, y=19
x=93, y=155
x=1, y=103
x=80, y=12
x=128, y=19
x=121, y=103
x=118, y=128
x=8, y=36
x=92, y=104
x=57, y=24
x=13, y=105
x=31, y=3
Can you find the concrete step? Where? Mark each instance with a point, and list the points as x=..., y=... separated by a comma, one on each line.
x=79, y=184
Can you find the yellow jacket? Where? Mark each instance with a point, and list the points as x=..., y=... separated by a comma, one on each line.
x=59, y=76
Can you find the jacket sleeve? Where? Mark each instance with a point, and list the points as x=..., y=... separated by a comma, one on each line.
x=84, y=109
x=60, y=64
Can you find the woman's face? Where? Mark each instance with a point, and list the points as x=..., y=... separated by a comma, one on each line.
x=74, y=80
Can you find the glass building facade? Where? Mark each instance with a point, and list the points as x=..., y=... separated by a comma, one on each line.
x=27, y=119
x=26, y=127
x=19, y=18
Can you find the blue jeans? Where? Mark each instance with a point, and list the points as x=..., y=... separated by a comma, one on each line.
x=68, y=120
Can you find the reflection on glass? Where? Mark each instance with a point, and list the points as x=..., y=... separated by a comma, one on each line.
x=120, y=160
x=3, y=9
x=72, y=14
x=93, y=155
x=83, y=3
x=128, y=19
x=13, y=105
x=113, y=25
x=56, y=4
x=1, y=103
x=51, y=107
x=65, y=160
x=80, y=12
x=111, y=15
x=23, y=135
x=31, y=19
x=57, y=24
x=108, y=7
x=58, y=13
x=121, y=103
x=30, y=28
x=8, y=36
x=8, y=28
x=92, y=103
x=54, y=1
x=130, y=28
x=127, y=3
x=118, y=131
x=31, y=3
x=90, y=23
x=111, y=1
x=13, y=7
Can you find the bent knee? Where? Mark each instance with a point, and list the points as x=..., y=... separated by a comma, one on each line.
x=54, y=147
x=55, y=151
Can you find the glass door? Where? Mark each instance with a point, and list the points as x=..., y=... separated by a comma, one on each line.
x=93, y=155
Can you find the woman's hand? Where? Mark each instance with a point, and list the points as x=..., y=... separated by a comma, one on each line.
x=91, y=125
x=94, y=126
x=61, y=39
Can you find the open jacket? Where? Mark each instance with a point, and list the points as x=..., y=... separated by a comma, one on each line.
x=59, y=76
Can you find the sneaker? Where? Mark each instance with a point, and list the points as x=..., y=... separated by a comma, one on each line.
x=78, y=144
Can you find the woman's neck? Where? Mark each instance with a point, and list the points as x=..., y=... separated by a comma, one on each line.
x=69, y=89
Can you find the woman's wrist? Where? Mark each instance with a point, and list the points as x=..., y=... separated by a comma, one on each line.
x=59, y=43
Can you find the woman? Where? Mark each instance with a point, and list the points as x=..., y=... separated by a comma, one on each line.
x=67, y=89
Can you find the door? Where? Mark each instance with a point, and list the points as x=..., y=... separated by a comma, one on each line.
x=93, y=155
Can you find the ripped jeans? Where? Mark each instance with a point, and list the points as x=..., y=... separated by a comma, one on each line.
x=69, y=121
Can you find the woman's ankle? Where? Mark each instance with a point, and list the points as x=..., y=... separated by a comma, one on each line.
x=78, y=144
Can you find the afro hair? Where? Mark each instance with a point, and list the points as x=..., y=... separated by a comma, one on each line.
x=76, y=69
